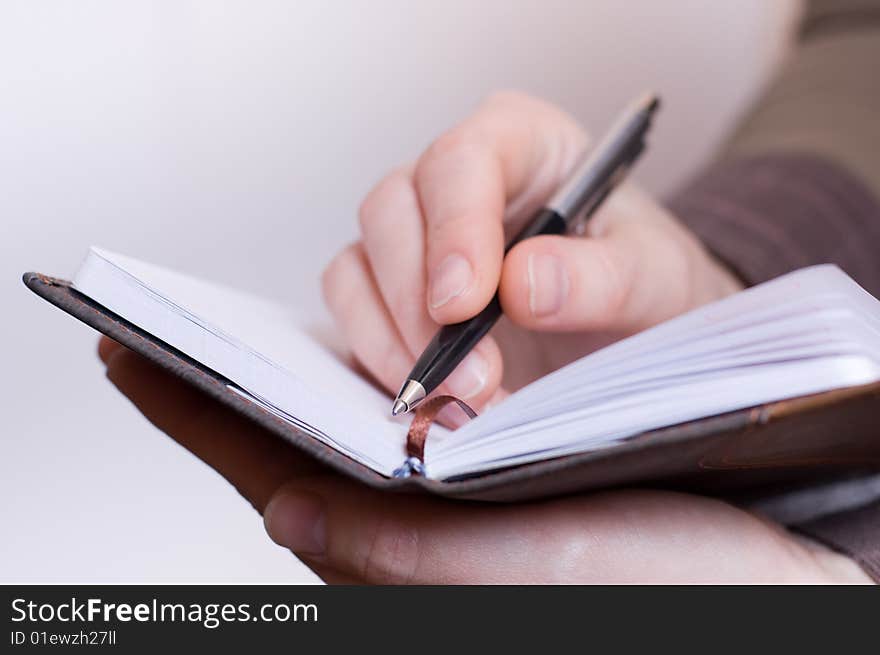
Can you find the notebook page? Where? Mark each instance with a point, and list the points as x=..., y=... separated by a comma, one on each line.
x=638, y=413
x=806, y=332
x=776, y=300
x=258, y=345
x=770, y=338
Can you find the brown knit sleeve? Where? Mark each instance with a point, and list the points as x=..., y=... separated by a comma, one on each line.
x=799, y=183
x=855, y=533
x=765, y=215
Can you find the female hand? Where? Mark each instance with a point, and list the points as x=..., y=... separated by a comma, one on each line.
x=431, y=253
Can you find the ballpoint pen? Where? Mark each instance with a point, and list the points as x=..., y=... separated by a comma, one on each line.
x=575, y=201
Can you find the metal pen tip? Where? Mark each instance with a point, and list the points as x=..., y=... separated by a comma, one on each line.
x=411, y=394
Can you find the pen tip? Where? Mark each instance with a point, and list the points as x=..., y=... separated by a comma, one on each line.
x=411, y=394
x=399, y=407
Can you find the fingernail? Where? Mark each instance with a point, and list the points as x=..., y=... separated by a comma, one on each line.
x=296, y=520
x=548, y=285
x=450, y=279
x=469, y=377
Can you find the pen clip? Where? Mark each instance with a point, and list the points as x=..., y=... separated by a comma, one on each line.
x=578, y=225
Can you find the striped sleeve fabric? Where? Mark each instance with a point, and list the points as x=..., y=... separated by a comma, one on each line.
x=765, y=215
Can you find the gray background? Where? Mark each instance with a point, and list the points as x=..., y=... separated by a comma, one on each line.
x=226, y=138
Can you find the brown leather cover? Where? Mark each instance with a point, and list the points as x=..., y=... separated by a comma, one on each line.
x=798, y=440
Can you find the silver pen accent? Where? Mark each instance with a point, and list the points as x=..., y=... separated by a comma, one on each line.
x=569, y=199
x=411, y=394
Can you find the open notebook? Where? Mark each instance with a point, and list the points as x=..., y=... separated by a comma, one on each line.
x=804, y=333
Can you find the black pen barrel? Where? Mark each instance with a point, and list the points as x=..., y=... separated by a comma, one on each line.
x=453, y=342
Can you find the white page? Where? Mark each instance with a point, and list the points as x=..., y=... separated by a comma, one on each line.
x=631, y=414
x=807, y=332
x=258, y=345
x=794, y=295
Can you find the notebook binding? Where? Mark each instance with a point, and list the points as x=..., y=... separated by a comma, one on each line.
x=411, y=466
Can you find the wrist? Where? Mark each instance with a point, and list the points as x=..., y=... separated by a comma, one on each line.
x=712, y=277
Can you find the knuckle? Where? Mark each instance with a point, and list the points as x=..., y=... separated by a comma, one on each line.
x=514, y=285
x=451, y=144
x=615, y=291
x=453, y=227
x=367, y=212
x=519, y=104
x=335, y=278
x=403, y=309
x=393, y=554
x=374, y=207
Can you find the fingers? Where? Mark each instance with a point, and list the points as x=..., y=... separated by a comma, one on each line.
x=254, y=461
x=637, y=268
x=393, y=237
x=360, y=311
x=351, y=295
x=514, y=149
x=433, y=237
x=461, y=189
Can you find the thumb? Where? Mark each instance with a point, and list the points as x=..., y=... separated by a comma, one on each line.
x=637, y=267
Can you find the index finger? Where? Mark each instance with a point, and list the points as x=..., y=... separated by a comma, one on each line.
x=504, y=159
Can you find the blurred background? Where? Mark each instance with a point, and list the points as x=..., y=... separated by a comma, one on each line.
x=234, y=140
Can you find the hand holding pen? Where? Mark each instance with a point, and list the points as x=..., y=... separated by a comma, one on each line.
x=432, y=253
x=391, y=291
x=592, y=180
